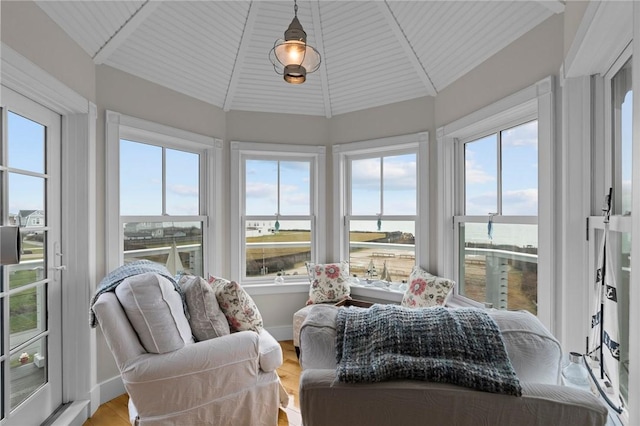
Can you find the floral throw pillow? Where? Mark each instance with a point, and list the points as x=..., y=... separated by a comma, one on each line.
x=329, y=282
x=236, y=304
x=426, y=290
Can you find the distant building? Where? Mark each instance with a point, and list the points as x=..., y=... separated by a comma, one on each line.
x=258, y=229
x=29, y=218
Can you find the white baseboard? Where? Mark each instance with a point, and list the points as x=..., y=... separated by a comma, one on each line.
x=105, y=392
x=281, y=332
x=74, y=415
x=110, y=389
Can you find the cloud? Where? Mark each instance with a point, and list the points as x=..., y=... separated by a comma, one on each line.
x=292, y=194
x=522, y=202
x=185, y=190
x=397, y=174
x=524, y=135
x=261, y=190
x=481, y=204
x=475, y=174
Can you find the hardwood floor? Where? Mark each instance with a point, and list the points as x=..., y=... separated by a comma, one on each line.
x=115, y=412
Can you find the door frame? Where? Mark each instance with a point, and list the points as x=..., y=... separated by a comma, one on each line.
x=79, y=237
x=30, y=410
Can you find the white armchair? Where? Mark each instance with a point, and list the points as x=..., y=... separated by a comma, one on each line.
x=225, y=380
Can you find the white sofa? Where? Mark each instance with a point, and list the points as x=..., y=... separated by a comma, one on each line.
x=534, y=353
x=227, y=380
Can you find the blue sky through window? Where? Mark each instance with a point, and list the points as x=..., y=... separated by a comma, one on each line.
x=25, y=151
x=397, y=183
x=261, y=187
x=141, y=180
x=519, y=173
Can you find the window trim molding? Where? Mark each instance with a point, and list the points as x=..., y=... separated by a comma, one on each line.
x=535, y=101
x=119, y=126
x=387, y=146
x=634, y=314
x=241, y=150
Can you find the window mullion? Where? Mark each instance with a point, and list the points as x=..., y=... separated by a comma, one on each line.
x=499, y=167
x=164, y=181
x=278, y=189
x=381, y=186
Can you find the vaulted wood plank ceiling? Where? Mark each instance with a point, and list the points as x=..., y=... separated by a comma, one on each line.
x=373, y=52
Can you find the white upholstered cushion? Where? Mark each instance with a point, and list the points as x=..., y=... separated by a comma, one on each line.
x=270, y=351
x=154, y=309
x=535, y=354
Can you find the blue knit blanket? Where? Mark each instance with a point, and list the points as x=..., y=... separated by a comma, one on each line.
x=115, y=277
x=458, y=346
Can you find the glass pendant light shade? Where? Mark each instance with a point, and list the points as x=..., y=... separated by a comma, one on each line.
x=292, y=57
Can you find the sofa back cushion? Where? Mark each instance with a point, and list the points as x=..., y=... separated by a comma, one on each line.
x=535, y=354
x=155, y=310
x=205, y=317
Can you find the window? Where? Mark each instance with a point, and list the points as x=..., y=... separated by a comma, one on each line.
x=498, y=180
x=617, y=163
x=277, y=210
x=162, y=210
x=381, y=183
x=498, y=232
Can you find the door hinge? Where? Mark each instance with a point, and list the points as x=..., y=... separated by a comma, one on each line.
x=587, y=235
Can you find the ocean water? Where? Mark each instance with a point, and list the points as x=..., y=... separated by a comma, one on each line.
x=502, y=234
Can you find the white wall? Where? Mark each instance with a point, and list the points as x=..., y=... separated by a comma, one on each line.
x=29, y=31
x=532, y=57
x=573, y=14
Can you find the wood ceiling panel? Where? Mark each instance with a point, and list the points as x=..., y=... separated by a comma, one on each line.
x=90, y=23
x=373, y=53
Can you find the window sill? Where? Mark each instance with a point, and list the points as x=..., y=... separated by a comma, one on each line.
x=383, y=294
x=287, y=288
x=303, y=287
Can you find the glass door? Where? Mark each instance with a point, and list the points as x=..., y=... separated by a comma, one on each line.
x=30, y=292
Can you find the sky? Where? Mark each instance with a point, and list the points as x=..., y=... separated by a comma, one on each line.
x=397, y=184
x=519, y=173
x=141, y=180
x=261, y=180
x=25, y=150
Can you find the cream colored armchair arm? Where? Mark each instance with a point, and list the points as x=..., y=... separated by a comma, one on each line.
x=194, y=375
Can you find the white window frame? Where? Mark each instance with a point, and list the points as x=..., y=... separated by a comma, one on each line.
x=343, y=153
x=242, y=151
x=533, y=102
x=120, y=126
x=603, y=177
x=604, y=32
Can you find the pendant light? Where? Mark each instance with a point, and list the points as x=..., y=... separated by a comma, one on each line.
x=292, y=57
